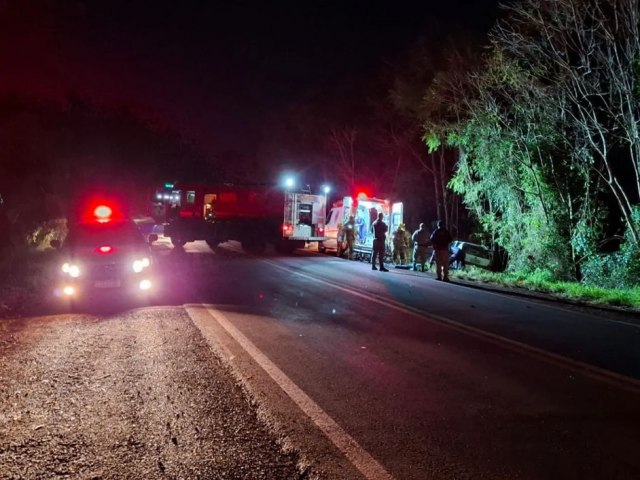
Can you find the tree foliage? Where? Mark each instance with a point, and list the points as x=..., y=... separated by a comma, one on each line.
x=546, y=130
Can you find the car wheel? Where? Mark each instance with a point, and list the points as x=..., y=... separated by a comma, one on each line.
x=177, y=242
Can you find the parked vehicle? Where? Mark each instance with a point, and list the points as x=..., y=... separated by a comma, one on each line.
x=365, y=211
x=104, y=252
x=254, y=215
x=466, y=253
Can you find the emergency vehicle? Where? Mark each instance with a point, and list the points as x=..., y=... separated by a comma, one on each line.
x=104, y=251
x=254, y=215
x=365, y=211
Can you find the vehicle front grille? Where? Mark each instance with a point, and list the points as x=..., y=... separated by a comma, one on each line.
x=107, y=271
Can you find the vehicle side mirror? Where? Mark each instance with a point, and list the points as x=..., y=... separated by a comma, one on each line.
x=55, y=243
x=153, y=238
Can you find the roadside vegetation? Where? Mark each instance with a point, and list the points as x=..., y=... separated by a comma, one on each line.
x=544, y=282
x=544, y=128
x=26, y=269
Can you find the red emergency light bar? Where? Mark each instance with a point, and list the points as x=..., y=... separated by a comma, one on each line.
x=105, y=249
x=102, y=212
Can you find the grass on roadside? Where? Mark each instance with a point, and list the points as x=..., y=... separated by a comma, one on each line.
x=24, y=275
x=540, y=282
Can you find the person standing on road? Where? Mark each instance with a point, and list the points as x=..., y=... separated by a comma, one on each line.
x=420, y=240
x=399, y=245
x=350, y=235
x=440, y=239
x=379, y=238
x=408, y=244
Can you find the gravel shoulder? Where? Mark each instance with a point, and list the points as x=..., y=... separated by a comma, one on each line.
x=137, y=396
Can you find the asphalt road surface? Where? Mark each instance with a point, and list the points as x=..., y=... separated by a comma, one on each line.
x=309, y=366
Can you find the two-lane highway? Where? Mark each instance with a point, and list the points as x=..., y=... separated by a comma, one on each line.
x=435, y=380
x=364, y=374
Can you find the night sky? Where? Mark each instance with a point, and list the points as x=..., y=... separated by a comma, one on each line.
x=214, y=71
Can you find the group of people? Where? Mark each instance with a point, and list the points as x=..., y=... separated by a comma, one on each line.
x=402, y=240
x=420, y=240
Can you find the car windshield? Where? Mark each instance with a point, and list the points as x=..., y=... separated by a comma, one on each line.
x=91, y=234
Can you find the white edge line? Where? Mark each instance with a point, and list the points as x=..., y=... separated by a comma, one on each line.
x=610, y=377
x=357, y=455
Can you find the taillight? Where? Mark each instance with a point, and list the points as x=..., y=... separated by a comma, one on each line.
x=287, y=229
x=104, y=249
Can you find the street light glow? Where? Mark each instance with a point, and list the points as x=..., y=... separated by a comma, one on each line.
x=326, y=189
x=289, y=182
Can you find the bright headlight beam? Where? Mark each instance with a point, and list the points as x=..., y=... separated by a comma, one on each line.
x=139, y=265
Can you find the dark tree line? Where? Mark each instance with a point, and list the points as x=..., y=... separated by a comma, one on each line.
x=51, y=154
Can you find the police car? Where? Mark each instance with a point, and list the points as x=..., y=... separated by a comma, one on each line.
x=104, y=252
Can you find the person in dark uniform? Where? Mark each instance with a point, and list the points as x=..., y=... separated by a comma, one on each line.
x=440, y=239
x=420, y=240
x=379, y=238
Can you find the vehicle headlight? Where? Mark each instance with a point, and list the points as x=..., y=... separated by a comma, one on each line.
x=71, y=269
x=141, y=264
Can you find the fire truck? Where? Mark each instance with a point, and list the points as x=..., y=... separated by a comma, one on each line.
x=365, y=210
x=254, y=215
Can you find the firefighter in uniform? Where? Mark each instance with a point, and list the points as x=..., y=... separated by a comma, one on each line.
x=379, y=238
x=399, y=244
x=420, y=240
x=407, y=244
x=349, y=230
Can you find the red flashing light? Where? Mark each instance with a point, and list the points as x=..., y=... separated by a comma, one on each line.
x=105, y=249
x=103, y=212
x=362, y=196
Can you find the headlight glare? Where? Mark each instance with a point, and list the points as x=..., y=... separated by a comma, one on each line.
x=139, y=265
x=71, y=269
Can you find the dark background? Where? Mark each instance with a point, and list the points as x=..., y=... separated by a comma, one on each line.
x=135, y=93
x=214, y=71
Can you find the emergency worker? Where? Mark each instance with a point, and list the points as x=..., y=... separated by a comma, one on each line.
x=349, y=229
x=408, y=243
x=399, y=244
x=340, y=240
x=379, y=229
x=420, y=239
x=441, y=238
